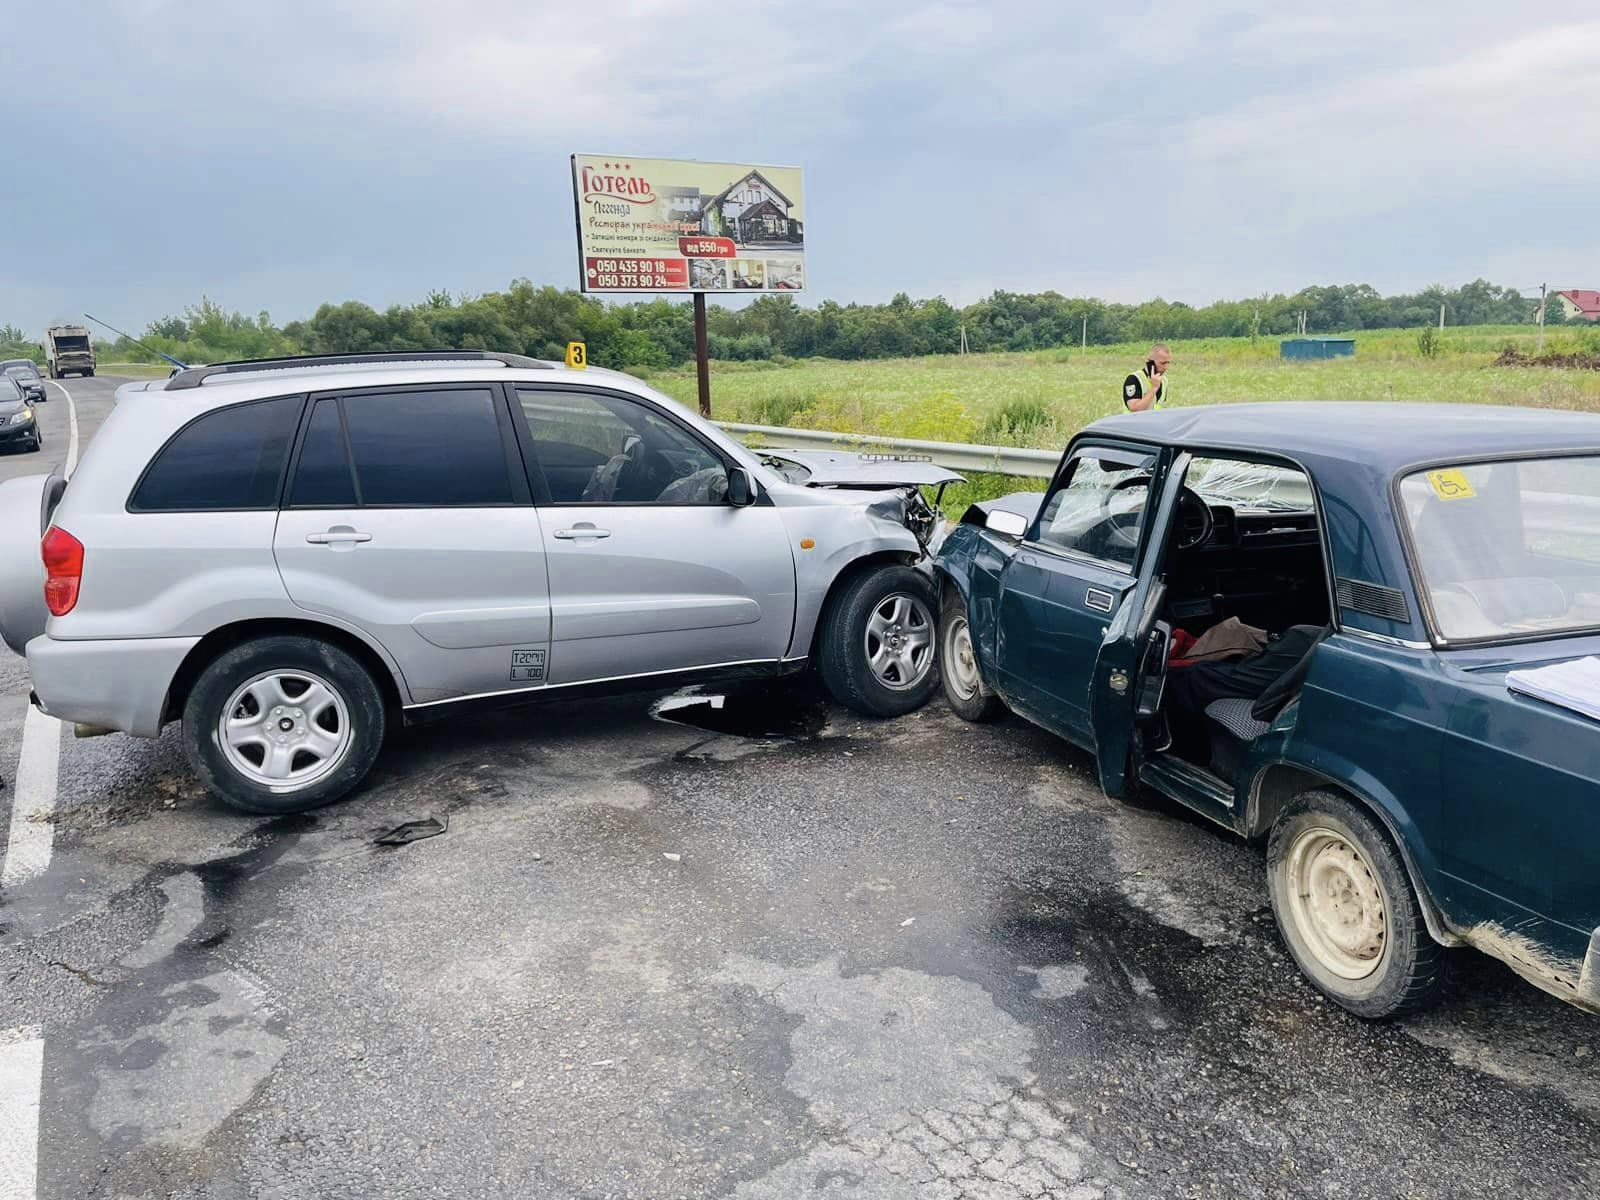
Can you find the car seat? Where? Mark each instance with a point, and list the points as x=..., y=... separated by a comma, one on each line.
x=1235, y=722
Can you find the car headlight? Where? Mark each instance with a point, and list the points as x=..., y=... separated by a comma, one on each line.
x=23, y=417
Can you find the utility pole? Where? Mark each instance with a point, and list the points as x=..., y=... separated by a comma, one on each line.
x=1543, y=287
x=1085, y=333
x=963, y=338
x=1441, y=318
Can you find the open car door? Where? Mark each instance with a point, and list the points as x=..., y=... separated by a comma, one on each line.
x=1131, y=670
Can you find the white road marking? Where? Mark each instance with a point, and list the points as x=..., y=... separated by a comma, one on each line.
x=21, y=1077
x=27, y=855
x=33, y=802
x=72, y=432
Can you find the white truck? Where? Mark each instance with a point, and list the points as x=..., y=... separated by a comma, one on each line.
x=68, y=350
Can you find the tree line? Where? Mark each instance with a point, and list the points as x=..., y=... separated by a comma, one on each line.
x=540, y=321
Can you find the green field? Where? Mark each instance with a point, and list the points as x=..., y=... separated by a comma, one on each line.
x=1041, y=399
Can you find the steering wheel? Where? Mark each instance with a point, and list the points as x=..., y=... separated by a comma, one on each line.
x=1195, y=519
x=1194, y=516
x=1122, y=528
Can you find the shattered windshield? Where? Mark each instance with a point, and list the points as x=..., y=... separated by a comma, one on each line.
x=1246, y=486
x=1508, y=549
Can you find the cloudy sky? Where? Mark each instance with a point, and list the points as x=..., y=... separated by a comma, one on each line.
x=274, y=155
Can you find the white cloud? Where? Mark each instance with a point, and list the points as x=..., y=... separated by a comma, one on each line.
x=1382, y=137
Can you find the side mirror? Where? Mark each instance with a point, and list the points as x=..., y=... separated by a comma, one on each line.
x=1009, y=523
x=741, y=488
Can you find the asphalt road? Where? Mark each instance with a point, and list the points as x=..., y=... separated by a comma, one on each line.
x=903, y=959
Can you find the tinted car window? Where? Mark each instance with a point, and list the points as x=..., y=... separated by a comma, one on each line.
x=435, y=449
x=322, y=477
x=229, y=459
x=1099, y=510
x=9, y=389
x=598, y=449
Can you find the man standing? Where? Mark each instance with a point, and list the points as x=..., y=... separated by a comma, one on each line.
x=1147, y=388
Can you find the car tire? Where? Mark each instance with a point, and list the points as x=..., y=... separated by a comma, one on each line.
x=1347, y=911
x=307, y=722
x=878, y=647
x=38, y=442
x=964, y=688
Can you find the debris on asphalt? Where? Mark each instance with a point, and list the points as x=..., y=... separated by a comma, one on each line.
x=761, y=714
x=906, y=922
x=673, y=857
x=413, y=831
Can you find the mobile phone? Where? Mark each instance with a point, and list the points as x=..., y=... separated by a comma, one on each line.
x=1149, y=366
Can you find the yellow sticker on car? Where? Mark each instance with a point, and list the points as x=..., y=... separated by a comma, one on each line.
x=1450, y=485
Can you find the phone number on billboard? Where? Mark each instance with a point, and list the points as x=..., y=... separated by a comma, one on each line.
x=637, y=274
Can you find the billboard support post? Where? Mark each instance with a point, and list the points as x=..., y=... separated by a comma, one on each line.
x=702, y=360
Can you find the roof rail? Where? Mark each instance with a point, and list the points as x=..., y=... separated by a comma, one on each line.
x=193, y=377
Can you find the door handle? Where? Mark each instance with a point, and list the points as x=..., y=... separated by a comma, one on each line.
x=338, y=536
x=580, y=531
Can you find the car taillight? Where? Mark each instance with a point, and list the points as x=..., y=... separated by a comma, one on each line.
x=63, y=570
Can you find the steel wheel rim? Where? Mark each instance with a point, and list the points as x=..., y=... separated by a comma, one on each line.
x=285, y=730
x=899, y=641
x=1337, y=904
x=960, y=663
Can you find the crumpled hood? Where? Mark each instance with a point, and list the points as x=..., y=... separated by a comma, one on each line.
x=842, y=468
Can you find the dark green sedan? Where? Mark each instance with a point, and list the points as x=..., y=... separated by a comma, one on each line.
x=1366, y=633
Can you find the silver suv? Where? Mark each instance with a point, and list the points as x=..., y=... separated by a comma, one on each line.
x=290, y=555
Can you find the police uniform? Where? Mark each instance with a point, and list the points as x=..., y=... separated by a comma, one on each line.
x=1133, y=388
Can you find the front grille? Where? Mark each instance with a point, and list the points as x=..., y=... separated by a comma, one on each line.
x=1374, y=599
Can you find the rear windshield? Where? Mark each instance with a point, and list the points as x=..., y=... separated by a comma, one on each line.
x=1508, y=549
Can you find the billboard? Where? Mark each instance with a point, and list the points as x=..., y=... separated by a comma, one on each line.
x=674, y=225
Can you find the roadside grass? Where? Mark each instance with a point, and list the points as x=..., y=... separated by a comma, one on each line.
x=134, y=370
x=1041, y=399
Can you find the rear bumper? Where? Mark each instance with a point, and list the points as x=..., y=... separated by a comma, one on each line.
x=115, y=684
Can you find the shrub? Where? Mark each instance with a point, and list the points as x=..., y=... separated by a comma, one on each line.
x=1428, y=342
x=1016, y=422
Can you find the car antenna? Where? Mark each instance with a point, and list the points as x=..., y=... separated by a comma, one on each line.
x=182, y=366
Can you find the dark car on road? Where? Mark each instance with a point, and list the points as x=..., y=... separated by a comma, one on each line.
x=24, y=372
x=1403, y=567
x=17, y=424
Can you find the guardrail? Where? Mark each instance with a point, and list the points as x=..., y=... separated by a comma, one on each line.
x=1007, y=460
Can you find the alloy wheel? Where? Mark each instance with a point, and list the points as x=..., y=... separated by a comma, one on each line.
x=899, y=641
x=284, y=730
